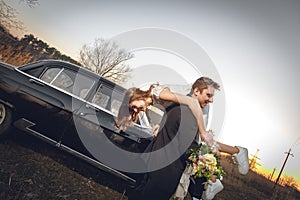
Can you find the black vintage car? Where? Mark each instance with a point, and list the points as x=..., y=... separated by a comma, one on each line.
x=69, y=107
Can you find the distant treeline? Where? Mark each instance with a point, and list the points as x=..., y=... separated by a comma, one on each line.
x=27, y=49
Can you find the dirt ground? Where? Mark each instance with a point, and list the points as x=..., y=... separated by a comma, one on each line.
x=32, y=169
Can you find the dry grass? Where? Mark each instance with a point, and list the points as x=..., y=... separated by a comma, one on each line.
x=252, y=186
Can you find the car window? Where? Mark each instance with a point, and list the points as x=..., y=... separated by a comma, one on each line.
x=34, y=71
x=50, y=74
x=101, y=99
x=116, y=100
x=64, y=81
x=115, y=106
x=82, y=85
x=107, y=97
x=69, y=80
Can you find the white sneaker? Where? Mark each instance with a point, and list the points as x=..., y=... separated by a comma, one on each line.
x=242, y=160
x=212, y=189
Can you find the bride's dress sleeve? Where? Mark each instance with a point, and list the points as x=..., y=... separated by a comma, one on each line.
x=143, y=119
x=157, y=90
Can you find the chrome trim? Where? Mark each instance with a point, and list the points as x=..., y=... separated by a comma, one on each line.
x=24, y=124
x=100, y=108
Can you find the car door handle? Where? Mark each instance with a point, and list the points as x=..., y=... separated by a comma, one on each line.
x=36, y=82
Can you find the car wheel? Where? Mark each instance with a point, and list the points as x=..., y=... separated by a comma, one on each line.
x=5, y=119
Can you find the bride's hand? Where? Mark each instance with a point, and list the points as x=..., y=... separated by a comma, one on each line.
x=155, y=130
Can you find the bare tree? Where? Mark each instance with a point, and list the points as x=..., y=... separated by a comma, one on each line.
x=31, y=3
x=9, y=15
x=106, y=58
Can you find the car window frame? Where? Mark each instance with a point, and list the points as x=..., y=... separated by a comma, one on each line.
x=45, y=67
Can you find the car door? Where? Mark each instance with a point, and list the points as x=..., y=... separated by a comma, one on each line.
x=94, y=124
x=93, y=120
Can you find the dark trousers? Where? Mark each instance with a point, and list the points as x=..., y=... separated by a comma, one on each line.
x=196, y=187
x=158, y=185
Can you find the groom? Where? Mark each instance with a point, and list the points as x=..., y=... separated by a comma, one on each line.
x=178, y=134
x=203, y=90
x=180, y=131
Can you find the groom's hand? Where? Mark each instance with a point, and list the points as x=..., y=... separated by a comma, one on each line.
x=207, y=137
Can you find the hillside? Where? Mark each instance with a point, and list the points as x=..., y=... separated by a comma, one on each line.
x=28, y=49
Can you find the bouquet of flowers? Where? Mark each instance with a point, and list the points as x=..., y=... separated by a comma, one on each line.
x=205, y=162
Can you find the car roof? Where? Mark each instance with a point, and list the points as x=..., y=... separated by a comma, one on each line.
x=72, y=66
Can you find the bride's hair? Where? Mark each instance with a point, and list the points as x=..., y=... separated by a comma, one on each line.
x=126, y=115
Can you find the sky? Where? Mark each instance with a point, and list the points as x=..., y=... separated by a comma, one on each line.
x=252, y=48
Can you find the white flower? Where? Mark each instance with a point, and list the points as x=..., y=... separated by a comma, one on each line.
x=209, y=159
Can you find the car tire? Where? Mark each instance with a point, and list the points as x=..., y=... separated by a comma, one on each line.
x=5, y=120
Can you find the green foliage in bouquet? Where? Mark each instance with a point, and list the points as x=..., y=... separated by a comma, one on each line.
x=205, y=162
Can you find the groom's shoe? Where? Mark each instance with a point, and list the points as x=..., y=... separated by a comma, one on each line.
x=212, y=189
x=242, y=160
